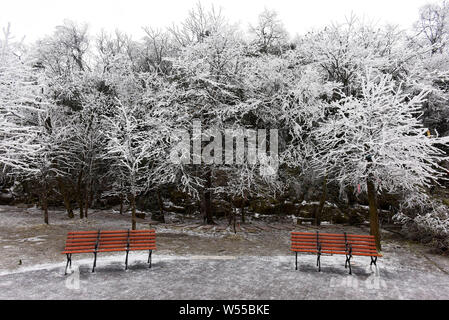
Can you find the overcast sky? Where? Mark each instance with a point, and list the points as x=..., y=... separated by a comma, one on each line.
x=36, y=18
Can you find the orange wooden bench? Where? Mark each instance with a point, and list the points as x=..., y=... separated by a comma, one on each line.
x=109, y=241
x=330, y=243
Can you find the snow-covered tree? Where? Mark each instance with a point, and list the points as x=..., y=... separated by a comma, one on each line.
x=341, y=52
x=19, y=96
x=199, y=24
x=269, y=33
x=376, y=141
x=96, y=121
x=207, y=77
x=129, y=150
x=64, y=56
x=433, y=25
x=27, y=132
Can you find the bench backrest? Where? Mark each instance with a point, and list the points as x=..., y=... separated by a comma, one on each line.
x=331, y=243
x=110, y=240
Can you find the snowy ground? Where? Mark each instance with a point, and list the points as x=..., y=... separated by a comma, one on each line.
x=227, y=277
x=193, y=262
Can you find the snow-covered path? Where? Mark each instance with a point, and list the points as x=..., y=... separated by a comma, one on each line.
x=226, y=277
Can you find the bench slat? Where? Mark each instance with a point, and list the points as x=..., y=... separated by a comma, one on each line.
x=78, y=251
x=109, y=241
x=334, y=243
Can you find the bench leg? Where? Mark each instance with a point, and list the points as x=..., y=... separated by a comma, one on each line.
x=126, y=260
x=149, y=257
x=296, y=261
x=373, y=261
x=69, y=261
x=318, y=262
x=95, y=262
x=348, y=263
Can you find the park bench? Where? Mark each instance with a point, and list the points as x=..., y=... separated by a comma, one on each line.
x=330, y=244
x=109, y=241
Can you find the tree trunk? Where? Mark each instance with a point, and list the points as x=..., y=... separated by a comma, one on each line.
x=208, y=199
x=45, y=202
x=79, y=196
x=88, y=197
x=86, y=203
x=202, y=205
x=243, y=211
x=373, y=215
x=232, y=218
x=159, y=217
x=121, y=204
x=133, y=210
x=66, y=198
x=320, y=208
x=91, y=193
